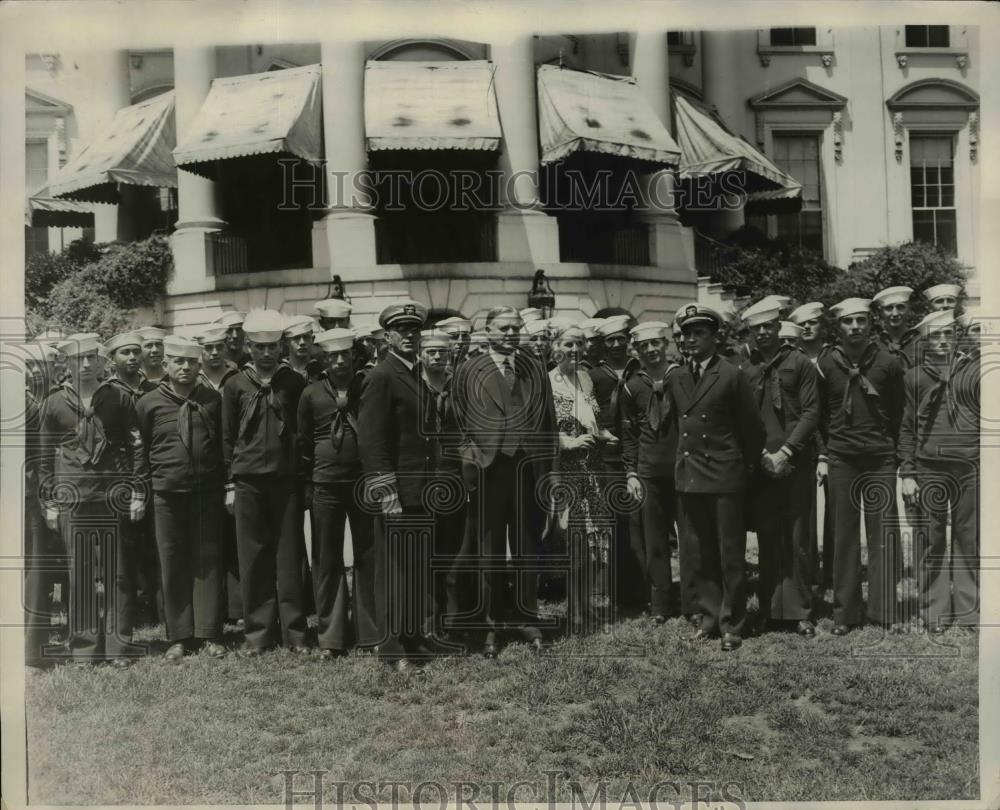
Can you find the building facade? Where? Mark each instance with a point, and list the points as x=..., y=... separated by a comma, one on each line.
x=879, y=126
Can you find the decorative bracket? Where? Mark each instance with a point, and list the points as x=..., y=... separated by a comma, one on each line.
x=51, y=62
x=962, y=60
x=135, y=61
x=688, y=58
x=901, y=60
x=827, y=59
x=897, y=129
x=838, y=136
x=765, y=60
x=974, y=136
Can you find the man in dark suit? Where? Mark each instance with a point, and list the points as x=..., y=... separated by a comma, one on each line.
x=397, y=456
x=784, y=384
x=720, y=438
x=503, y=402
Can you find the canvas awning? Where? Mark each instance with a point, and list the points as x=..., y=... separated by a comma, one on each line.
x=135, y=150
x=776, y=201
x=595, y=112
x=278, y=112
x=42, y=210
x=710, y=149
x=431, y=105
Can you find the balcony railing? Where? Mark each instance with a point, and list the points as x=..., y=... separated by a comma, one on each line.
x=229, y=253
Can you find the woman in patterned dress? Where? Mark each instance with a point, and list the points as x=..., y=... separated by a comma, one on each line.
x=584, y=514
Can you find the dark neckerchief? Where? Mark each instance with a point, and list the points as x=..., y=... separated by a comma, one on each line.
x=856, y=378
x=770, y=380
x=940, y=392
x=91, y=441
x=342, y=419
x=118, y=382
x=263, y=395
x=658, y=406
x=185, y=423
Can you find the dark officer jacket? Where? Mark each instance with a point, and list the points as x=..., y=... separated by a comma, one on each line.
x=720, y=432
x=395, y=446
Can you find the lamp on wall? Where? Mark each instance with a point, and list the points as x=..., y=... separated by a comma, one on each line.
x=336, y=289
x=541, y=295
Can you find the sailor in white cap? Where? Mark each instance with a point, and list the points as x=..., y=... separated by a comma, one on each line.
x=236, y=352
x=861, y=394
x=720, y=436
x=259, y=406
x=125, y=353
x=894, y=315
x=810, y=318
x=785, y=385
x=328, y=439
x=537, y=339
x=180, y=465
x=479, y=343
x=789, y=334
x=334, y=313
x=460, y=331
x=299, y=334
x=44, y=549
x=939, y=451
x=943, y=296
x=594, y=344
x=152, y=352
x=649, y=449
x=89, y=435
x=396, y=451
x=371, y=345
x=215, y=368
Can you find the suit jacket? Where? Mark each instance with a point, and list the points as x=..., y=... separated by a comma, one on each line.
x=489, y=420
x=394, y=439
x=720, y=433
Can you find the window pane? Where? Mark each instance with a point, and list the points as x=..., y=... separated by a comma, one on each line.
x=931, y=174
x=923, y=227
x=917, y=196
x=782, y=36
x=947, y=195
x=946, y=231
x=947, y=176
x=805, y=36
x=933, y=196
x=812, y=230
x=937, y=36
x=673, y=37
x=916, y=36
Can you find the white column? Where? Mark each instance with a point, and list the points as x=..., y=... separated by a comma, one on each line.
x=350, y=222
x=720, y=64
x=198, y=211
x=652, y=73
x=524, y=232
x=111, y=94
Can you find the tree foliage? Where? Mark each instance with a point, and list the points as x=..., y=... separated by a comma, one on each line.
x=76, y=292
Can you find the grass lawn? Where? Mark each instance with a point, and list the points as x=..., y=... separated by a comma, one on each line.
x=860, y=717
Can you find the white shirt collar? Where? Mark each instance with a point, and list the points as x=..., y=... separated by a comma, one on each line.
x=499, y=358
x=403, y=360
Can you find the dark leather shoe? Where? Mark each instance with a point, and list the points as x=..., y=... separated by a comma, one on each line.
x=731, y=642
x=174, y=653
x=659, y=619
x=300, y=649
x=214, y=650
x=806, y=628
x=840, y=630
x=123, y=663
x=330, y=655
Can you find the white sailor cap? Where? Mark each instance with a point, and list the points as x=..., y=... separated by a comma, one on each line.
x=613, y=325
x=806, y=312
x=530, y=314
x=650, y=330
x=120, y=341
x=81, y=343
x=176, y=346
x=455, y=326
x=767, y=309
x=942, y=291
x=151, y=334
x=536, y=327
x=299, y=325
x=213, y=333
x=589, y=326
x=936, y=320
x=434, y=339
x=335, y=340
x=264, y=325
x=333, y=308
x=789, y=329
x=231, y=319
x=892, y=295
x=851, y=306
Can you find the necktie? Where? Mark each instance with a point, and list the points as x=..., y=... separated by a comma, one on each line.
x=696, y=372
x=507, y=369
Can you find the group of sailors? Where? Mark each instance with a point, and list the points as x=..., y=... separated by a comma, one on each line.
x=476, y=467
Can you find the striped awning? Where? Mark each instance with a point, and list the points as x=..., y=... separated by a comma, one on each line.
x=431, y=105
x=595, y=112
x=42, y=210
x=275, y=113
x=710, y=149
x=135, y=151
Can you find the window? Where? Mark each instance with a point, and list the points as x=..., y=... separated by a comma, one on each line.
x=798, y=155
x=674, y=38
x=927, y=36
x=793, y=36
x=932, y=191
